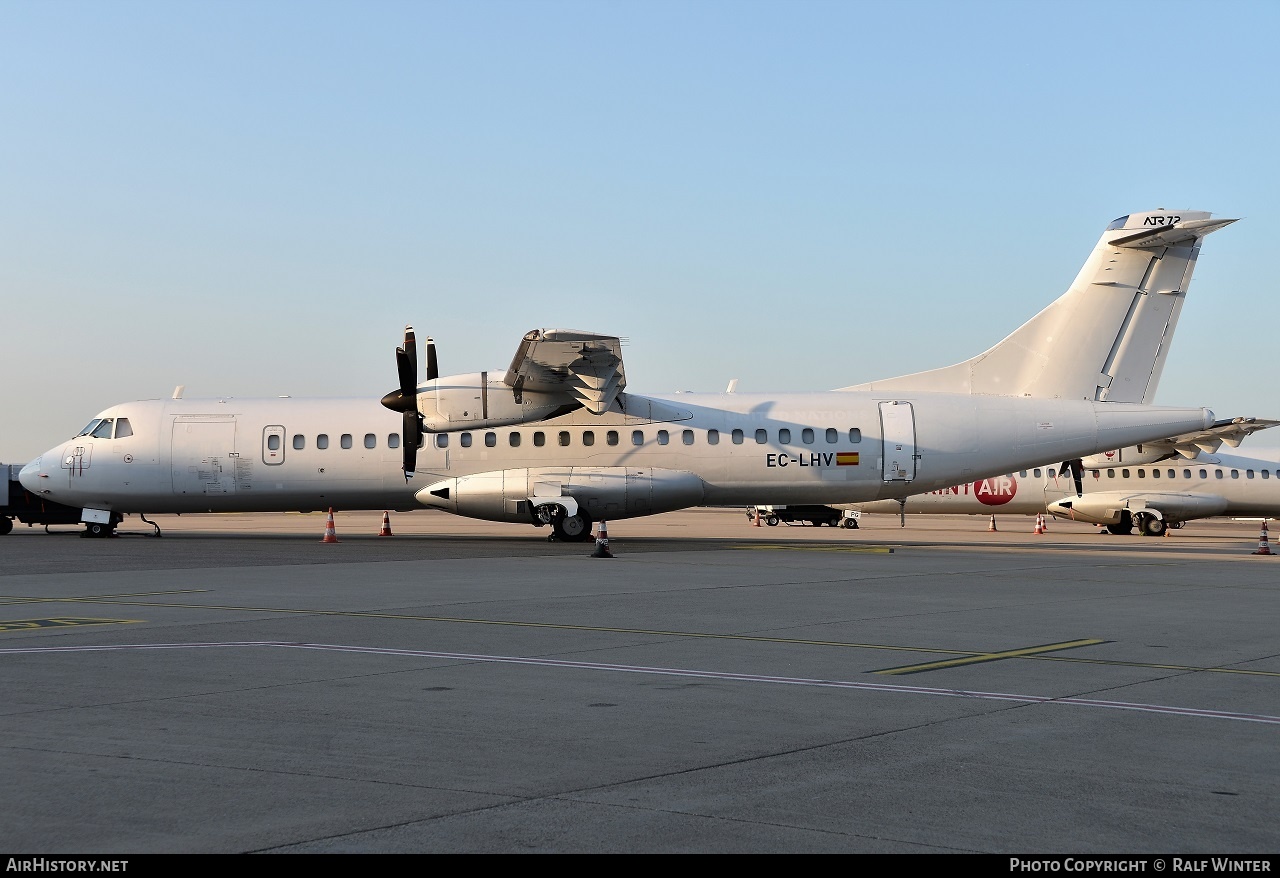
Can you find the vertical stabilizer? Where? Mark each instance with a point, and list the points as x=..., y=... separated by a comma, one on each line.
x=1107, y=337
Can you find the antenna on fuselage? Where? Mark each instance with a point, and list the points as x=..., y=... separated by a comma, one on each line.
x=177, y=391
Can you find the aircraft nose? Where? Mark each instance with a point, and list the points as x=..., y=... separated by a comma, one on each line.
x=30, y=476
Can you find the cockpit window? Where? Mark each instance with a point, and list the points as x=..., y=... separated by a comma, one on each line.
x=122, y=428
x=90, y=427
x=1117, y=224
x=103, y=430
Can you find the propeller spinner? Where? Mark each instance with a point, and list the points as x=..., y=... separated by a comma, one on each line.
x=405, y=400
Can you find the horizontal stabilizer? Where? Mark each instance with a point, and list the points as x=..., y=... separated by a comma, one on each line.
x=1168, y=235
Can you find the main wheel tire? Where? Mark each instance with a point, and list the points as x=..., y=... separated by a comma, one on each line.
x=772, y=521
x=94, y=529
x=573, y=528
x=1153, y=527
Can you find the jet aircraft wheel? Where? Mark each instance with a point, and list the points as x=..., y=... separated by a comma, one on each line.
x=6, y=525
x=772, y=521
x=573, y=528
x=1153, y=527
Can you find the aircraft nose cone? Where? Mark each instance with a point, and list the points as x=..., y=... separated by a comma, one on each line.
x=29, y=476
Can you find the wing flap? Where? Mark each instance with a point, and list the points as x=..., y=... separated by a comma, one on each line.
x=586, y=366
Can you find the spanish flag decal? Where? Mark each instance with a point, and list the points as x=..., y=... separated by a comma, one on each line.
x=846, y=458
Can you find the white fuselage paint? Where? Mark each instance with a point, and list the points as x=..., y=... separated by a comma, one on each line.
x=213, y=455
x=1181, y=490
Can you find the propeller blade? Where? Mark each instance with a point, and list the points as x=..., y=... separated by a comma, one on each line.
x=433, y=370
x=412, y=439
x=406, y=398
x=1077, y=473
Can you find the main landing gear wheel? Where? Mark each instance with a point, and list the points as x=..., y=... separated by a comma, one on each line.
x=96, y=529
x=572, y=528
x=1122, y=528
x=1152, y=526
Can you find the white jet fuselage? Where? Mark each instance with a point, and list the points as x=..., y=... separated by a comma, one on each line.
x=644, y=455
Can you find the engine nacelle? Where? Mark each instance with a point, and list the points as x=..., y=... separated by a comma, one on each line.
x=603, y=492
x=1108, y=507
x=476, y=401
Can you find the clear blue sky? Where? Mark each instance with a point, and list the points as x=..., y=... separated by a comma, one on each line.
x=253, y=198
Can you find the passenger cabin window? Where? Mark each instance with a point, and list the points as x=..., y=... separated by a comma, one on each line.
x=273, y=443
x=1173, y=474
x=464, y=440
x=713, y=437
x=1036, y=472
x=345, y=442
x=1217, y=474
x=588, y=438
x=762, y=436
x=1111, y=474
x=564, y=439
x=539, y=438
x=611, y=438
x=637, y=437
x=490, y=439
x=663, y=437
x=1204, y=474
x=1266, y=473
x=1186, y=473
x=1124, y=473
x=123, y=430
x=784, y=436
x=737, y=437
x=806, y=436
x=855, y=435
x=370, y=440
x=322, y=441
x=442, y=440
x=299, y=442
x=687, y=437
x=393, y=440
x=1235, y=474
x=833, y=436
x=1155, y=473
x=1052, y=474
x=1142, y=474
x=513, y=439
x=1248, y=474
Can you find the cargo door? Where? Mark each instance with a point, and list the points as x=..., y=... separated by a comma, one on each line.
x=898, y=427
x=204, y=455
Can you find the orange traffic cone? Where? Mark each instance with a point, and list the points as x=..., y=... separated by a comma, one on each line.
x=1263, y=547
x=992, y=526
x=330, y=535
x=386, y=525
x=1039, y=528
x=602, y=543
x=757, y=524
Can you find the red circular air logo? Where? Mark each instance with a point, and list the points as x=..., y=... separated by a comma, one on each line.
x=995, y=492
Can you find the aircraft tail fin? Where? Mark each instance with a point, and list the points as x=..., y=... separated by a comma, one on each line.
x=1107, y=337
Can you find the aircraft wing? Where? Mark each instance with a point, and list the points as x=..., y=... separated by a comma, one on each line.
x=1232, y=431
x=585, y=365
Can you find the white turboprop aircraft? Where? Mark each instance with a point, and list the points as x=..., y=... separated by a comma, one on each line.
x=554, y=439
x=1153, y=487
